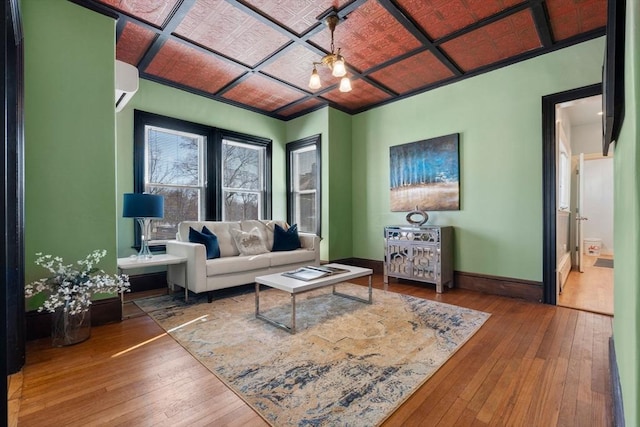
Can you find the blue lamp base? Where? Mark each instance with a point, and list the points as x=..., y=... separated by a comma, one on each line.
x=145, y=229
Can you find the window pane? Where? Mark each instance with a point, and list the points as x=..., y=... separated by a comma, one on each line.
x=241, y=166
x=173, y=157
x=240, y=205
x=305, y=170
x=180, y=204
x=306, y=212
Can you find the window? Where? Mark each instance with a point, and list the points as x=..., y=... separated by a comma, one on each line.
x=304, y=184
x=204, y=173
x=242, y=180
x=174, y=168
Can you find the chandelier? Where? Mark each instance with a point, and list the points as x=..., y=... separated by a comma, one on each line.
x=334, y=61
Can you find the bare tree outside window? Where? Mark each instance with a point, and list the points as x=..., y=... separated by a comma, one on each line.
x=304, y=184
x=242, y=186
x=174, y=169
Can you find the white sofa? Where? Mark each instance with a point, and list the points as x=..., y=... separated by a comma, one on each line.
x=232, y=268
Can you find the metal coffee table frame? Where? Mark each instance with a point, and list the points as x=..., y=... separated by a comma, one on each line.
x=295, y=287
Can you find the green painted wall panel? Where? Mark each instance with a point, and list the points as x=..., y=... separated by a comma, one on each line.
x=159, y=99
x=626, y=320
x=69, y=133
x=498, y=229
x=340, y=186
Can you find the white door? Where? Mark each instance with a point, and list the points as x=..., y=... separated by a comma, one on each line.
x=579, y=218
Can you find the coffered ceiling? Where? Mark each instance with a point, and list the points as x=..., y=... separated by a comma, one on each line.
x=258, y=54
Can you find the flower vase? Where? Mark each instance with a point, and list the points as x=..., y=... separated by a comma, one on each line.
x=68, y=329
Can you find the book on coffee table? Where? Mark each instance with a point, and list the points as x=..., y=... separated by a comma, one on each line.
x=313, y=272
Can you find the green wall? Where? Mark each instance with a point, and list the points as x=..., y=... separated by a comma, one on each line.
x=498, y=229
x=340, y=186
x=70, y=188
x=335, y=129
x=626, y=321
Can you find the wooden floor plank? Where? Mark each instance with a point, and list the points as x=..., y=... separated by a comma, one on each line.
x=529, y=365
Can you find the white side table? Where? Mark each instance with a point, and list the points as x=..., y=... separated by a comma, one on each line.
x=131, y=263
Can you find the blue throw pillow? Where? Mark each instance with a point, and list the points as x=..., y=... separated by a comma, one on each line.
x=208, y=239
x=285, y=240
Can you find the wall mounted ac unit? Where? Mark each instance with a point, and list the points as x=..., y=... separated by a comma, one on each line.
x=126, y=83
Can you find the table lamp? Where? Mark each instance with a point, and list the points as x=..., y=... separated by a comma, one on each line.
x=143, y=207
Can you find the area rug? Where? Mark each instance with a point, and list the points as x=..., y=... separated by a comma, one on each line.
x=604, y=262
x=349, y=364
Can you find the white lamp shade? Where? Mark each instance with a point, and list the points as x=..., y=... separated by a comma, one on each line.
x=314, y=81
x=339, y=69
x=345, y=84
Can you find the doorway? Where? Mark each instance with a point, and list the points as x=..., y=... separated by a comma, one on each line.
x=553, y=249
x=585, y=208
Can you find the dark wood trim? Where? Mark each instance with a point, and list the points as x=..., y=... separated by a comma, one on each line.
x=616, y=387
x=376, y=266
x=528, y=290
x=549, y=183
x=12, y=212
x=104, y=311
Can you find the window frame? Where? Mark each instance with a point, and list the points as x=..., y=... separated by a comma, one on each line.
x=212, y=195
x=291, y=148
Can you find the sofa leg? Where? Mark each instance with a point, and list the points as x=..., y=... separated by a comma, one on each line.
x=210, y=297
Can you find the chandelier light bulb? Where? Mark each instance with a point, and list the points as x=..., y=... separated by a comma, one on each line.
x=345, y=84
x=339, y=70
x=314, y=81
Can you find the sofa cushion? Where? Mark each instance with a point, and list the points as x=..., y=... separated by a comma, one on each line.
x=265, y=228
x=208, y=239
x=222, y=229
x=249, y=243
x=292, y=257
x=285, y=240
x=237, y=264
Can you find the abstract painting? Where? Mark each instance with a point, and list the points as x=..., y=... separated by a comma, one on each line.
x=425, y=174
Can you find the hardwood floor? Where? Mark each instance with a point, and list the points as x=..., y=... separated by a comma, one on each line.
x=591, y=290
x=529, y=365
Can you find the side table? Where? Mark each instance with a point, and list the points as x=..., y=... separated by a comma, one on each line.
x=131, y=263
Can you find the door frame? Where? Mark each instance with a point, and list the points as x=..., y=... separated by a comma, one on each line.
x=549, y=209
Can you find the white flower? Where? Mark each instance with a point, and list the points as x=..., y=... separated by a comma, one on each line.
x=72, y=289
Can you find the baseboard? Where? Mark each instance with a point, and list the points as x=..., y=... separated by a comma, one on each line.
x=376, y=266
x=528, y=290
x=108, y=310
x=515, y=288
x=616, y=388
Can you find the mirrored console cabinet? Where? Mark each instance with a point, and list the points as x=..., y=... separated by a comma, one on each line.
x=423, y=253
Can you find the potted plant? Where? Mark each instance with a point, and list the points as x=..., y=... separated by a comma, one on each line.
x=69, y=291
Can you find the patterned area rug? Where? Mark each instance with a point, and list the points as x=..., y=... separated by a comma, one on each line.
x=349, y=364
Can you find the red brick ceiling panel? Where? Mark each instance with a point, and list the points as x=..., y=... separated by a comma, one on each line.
x=152, y=11
x=369, y=36
x=441, y=17
x=570, y=17
x=298, y=15
x=500, y=40
x=181, y=64
x=361, y=95
x=133, y=43
x=302, y=106
x=263, y=93
x=295, y=66
x=224, y=28
x=412, y=73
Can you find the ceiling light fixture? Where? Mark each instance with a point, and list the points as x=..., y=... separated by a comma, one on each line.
x=334, y=61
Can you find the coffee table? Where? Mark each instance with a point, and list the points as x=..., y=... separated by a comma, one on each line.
x=295, y=287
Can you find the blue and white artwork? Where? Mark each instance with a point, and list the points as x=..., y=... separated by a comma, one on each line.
x=425, y=174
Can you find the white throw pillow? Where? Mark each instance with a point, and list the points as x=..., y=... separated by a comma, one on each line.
x=249, y=243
